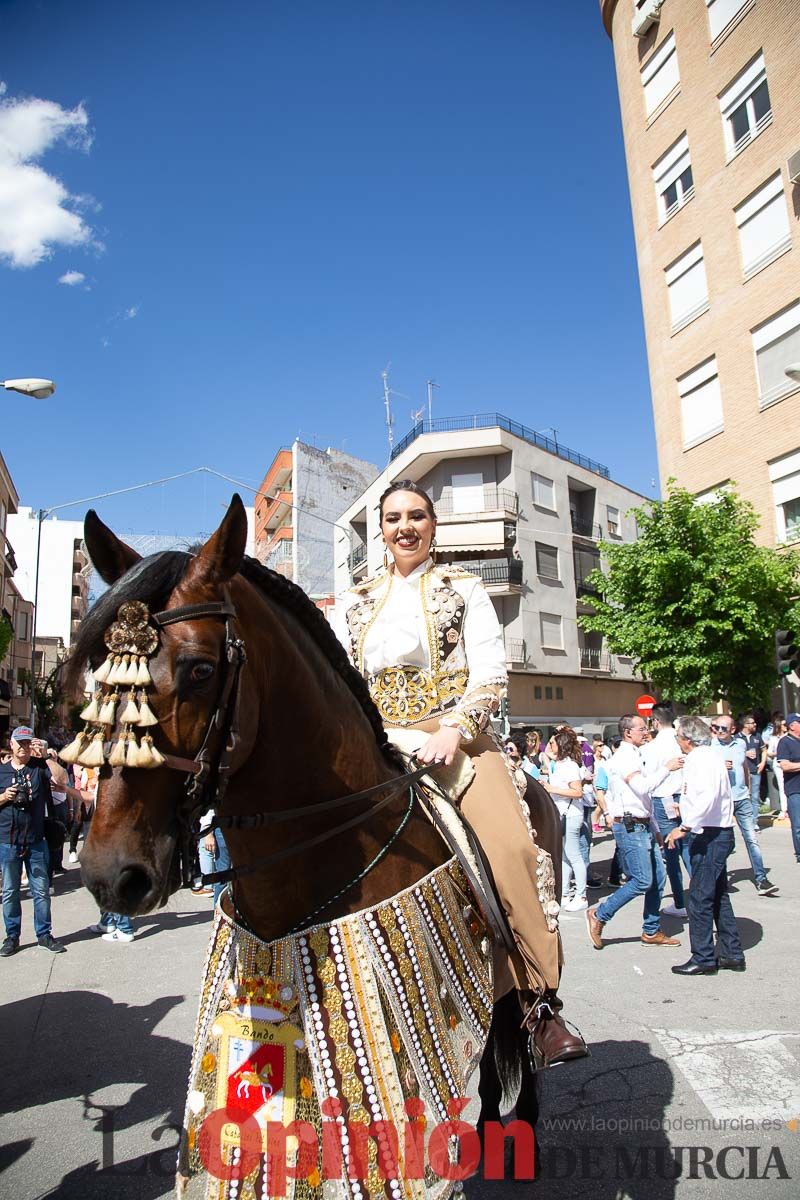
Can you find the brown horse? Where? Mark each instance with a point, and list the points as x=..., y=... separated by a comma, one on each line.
x=306, y=731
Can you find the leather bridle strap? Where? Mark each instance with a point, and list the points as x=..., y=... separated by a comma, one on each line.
x=193, y=612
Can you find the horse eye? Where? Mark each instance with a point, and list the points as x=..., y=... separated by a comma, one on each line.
x=200, y=672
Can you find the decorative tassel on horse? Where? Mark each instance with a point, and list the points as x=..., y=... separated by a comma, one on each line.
x=131, y=639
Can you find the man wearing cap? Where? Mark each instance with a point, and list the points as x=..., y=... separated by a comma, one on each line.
x=788, y=756
x=23, y=798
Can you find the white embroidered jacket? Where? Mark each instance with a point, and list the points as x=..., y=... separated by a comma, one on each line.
x=427, y=644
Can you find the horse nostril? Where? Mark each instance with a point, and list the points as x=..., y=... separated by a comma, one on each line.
x=133, y=885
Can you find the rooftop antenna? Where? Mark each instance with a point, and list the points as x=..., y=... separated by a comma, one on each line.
x=417, y=414
x=387, y=404
x=431, y=385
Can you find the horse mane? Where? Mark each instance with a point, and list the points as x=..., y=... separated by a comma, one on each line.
x=154, y=578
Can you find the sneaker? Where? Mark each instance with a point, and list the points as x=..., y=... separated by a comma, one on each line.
x=765, y=888
x=101, y=928
x=118, y=936
x=202, y=891
x=73, y=857
x=597, y=828
x=48, y=942
x=578, y=904
x=10, y=946
x=52, y=890
x=672, y=910
x=593, y=881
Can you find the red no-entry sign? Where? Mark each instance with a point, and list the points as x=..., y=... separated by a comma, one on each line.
x=645, y=705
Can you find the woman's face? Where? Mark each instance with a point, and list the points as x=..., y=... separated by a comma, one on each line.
x=408, y=529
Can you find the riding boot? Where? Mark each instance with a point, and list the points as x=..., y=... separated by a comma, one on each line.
x=551, y=1040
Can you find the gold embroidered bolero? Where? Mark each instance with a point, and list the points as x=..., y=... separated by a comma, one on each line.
x=453, y=659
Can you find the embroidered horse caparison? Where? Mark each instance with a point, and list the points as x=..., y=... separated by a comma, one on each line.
x=357, y=1037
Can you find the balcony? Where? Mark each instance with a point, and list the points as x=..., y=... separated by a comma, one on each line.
x=516, y=654
x=498, y=421
x=596, y=659
x=280, y=554
x=586, y=529
x=500, y=576
x=276, y=511
x=357, y=560
x=495, y=501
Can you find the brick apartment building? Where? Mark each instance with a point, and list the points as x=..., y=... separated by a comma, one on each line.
x=709, y=94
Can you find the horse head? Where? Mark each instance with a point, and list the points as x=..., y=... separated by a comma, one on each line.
x=130, y=860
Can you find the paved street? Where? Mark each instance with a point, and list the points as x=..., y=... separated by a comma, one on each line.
x=96, y=1054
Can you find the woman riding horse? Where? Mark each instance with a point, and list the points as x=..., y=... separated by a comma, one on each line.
x=427, y=640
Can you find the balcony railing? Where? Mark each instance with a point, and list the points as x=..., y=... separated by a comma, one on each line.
x=358, y=556
x=587, y=529
x=595, y=659
x=515, y=650
x=496, y=570
x=281, y=553
x=494, y=498
x=497, y=420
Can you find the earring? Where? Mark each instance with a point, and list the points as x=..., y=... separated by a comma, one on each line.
x=433, y=551
x=385, y=559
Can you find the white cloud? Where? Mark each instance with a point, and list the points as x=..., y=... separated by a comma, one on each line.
x=37, y=212
x=131, y=312
x=72, y=278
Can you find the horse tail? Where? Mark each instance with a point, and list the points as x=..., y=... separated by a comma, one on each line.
x=509, y=1043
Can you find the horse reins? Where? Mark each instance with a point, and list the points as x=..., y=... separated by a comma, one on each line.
x=209, y=771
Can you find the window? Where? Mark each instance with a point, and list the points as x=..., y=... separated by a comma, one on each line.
x=548, y=693
x=544, y=492
x=467, y=492
x=763, y=223
x=687, y=287
x=785, y=477
x=537, y=692
x=745, y=107
x=672, y=176
x=546, y=561
x=559, y=693
x=777, y=344
x=660, y=74
x=612, y=519
x=22, y=626
x=552, y=632
x=701, y=403
x=721, y=13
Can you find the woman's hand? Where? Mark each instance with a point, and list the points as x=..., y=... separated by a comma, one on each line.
x=440, y=746
x=210, y=843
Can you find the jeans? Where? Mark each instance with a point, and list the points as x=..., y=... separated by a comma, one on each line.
x=571, y=854
x=586, y=836
x=116, y=921
x=743, y=811
x=755, y=795
x=775, y=786
x=82, y=817
x=673, y=854
x=222, y=861
x=793, y=802
x=37, y=860
x=643, y=862
x=709, y=902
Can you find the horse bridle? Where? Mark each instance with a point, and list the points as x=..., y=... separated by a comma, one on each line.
x=208, y=772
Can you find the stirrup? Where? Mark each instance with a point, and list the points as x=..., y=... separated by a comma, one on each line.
x=536, y=1058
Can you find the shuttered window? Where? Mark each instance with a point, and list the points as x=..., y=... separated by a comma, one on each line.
x=546, y=561
x=552, y=631
x=763, y=223
x=660, y=74
x=701, y=403
x=746, y=107
x=673, y=180
x=777, y=344
x=721, y=13
x=687, y=287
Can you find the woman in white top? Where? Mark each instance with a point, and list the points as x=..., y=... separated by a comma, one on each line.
x=565, y=785
x=778, y=731
x=427, y=640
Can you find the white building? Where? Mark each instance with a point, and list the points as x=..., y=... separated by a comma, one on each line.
x=526, y=514
x=63, y=571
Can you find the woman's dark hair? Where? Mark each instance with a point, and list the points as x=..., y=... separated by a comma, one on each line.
x=519, y=741
x=407, y=485
x=567, y=744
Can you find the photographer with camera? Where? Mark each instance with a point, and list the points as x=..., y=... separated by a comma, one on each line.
x=24, y=793
x=636, y=833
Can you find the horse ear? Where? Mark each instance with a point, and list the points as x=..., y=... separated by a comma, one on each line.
x=221, y=556
x=110, y=557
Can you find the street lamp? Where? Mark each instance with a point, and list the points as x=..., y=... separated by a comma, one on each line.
x=39, y=388
x=793, y=372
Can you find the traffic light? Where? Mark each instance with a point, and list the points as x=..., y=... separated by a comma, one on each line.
x=787, y=652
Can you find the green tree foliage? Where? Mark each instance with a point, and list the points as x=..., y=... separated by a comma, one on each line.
x=695, y=602
x=6, y=635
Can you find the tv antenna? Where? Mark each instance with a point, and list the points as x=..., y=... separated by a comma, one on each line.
x=431, y=385
x=387, y=404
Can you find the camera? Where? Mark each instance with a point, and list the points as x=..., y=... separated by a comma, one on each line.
x=629, y=820
x=24, y=796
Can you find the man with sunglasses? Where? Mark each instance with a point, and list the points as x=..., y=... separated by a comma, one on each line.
x=734, y=752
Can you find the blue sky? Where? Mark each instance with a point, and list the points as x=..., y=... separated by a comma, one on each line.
x=272, y=201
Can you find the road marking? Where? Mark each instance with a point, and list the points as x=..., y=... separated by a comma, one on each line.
x=739, y=1074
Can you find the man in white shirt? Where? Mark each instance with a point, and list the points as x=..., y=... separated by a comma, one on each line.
x=707, y=820
x=636, y=833
x=666, y=796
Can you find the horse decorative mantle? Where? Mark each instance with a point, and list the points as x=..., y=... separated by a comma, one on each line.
x=365, y=1024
